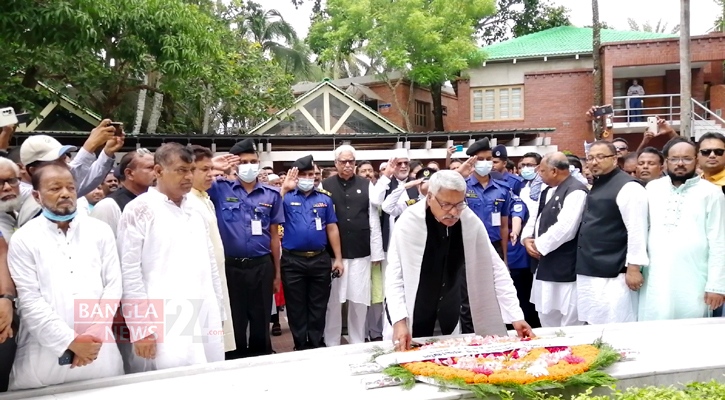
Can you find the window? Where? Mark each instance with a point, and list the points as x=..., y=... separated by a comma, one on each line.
x=499, y=103
x=422, y=110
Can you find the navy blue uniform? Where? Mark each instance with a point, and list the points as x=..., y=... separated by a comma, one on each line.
x=487, y=202
x=306, y=265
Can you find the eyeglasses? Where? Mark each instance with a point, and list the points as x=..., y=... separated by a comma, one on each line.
x=707, y=152
x=12, y=182
x=621, y=148
x=403, y=163
x=346, y=162
x=685, y=160
x=448, y=206
x=599, y=157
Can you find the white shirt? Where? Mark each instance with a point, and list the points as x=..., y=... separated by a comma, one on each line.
x=377, y=198
x=52, y=271
x=83, y=206
x=167, y=254
x=108, y=211
x=566, y=226
x=394, y=205
x=632, y=203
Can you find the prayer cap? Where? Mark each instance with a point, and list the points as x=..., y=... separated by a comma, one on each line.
x=425, y=173
x=244, y=147
x=480, y=145
x=500, y=152
x=304, y=164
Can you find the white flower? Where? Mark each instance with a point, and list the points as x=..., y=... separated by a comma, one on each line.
x=537, y=370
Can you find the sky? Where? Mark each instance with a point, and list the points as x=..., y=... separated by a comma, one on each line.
x=614, y=12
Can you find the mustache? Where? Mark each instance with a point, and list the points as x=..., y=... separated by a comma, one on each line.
x=449, y=216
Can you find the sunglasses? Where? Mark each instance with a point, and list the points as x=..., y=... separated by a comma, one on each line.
x=707, y=152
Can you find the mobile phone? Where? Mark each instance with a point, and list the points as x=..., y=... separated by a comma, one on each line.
x=119, y=128
x=7, y=117
x=603, y=110
x=66, y=358
x=335, y=274
x=459, y=147
x=652, y=124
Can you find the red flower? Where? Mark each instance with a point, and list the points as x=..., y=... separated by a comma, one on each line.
x=572, y=359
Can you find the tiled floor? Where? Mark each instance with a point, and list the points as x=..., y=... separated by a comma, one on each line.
x=284, y=343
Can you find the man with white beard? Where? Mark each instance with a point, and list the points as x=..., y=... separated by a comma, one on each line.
x=9, y=197
x=167, y=255
x=59, y=262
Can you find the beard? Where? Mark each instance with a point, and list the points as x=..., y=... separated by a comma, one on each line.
x=62, y=211
x=681, y=178
x=10, y=205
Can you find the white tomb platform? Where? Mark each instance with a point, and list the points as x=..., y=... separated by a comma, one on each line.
x=670, y=353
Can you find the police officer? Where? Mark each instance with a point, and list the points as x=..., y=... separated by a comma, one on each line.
x=500, y=156
x=489, y=198
x=310, y=222
x=249, y=214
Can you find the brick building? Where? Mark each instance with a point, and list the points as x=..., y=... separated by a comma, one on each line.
x=544, y=80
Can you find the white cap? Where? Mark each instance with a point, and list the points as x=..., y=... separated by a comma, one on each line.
x=272, y=177
x=383, y=166
x=42, y=148
x=400, y=153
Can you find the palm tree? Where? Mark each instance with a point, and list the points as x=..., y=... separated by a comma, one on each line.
x=277, y=38
x=661, y=27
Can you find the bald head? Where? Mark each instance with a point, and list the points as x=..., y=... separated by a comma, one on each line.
x=554, y=169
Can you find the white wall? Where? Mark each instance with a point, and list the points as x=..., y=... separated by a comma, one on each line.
x=507, y=73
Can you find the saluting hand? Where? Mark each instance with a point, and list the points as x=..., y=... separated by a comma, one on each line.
x=224, y=161
x=390, y=167
x=466, y=169
x=411, y=184
x=290, y=180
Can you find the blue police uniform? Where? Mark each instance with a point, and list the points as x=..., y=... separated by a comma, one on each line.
x=249, y=266
x=515, y=182
x=300, y=214
x=519, y=264
x=236, y=209
x=485, y=202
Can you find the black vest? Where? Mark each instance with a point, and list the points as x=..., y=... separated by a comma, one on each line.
x=122, y=196
x=602, y=248
x=560, y=264
x=385, y=217
x=352, y=207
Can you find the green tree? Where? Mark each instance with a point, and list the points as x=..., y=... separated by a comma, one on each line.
x=720, y=21
x=427, y=41
x=515, y=18
x=660, y=27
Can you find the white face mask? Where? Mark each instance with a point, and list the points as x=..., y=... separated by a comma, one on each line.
x=248, y=172
x=483, y=168
x=528, y=173
x=305, y=185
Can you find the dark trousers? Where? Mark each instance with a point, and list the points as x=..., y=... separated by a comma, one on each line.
x=306, y=283
x=250, y=284
x=523, y=281
x=7, y=355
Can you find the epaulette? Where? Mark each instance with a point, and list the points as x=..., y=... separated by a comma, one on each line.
x=411, y=202
x=323, y=191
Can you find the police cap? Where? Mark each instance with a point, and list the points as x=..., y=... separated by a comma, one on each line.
x=304, y=164
x=246, y=146
x=425, y=173
x=500, y=152
x=478, y=146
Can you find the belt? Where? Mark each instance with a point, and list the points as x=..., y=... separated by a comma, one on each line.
x=306, y=254
x=246, y=262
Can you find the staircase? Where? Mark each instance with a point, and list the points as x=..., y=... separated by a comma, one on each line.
x=701, y=127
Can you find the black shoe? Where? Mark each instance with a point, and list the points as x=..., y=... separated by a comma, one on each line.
x=377, y=339
x=276, y=330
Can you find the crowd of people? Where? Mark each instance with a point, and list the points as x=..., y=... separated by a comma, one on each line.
x=409, y=249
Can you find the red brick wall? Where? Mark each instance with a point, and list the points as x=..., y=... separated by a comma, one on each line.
x=551, y=100
x=450, y=102
x=717, y=98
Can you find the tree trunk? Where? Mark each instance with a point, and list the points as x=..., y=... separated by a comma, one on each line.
x=140, y=107
x=437, y=94
x=596, y=55
x=156, y=109
x=685, y=70
x=394, y=89
x=206, y=107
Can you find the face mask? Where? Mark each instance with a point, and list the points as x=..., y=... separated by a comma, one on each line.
x=248, y=172
x=528, y=173
x=58, y=218
x=305, y=185
x=483, y=168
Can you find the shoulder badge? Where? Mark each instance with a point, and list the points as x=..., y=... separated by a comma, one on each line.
x=323, y=191
x=411, y=202
x=518, y=207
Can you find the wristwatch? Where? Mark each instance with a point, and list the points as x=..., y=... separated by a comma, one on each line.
x=10, y=297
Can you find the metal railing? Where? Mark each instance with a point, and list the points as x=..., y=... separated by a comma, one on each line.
x=704, y=114
x=669, y=108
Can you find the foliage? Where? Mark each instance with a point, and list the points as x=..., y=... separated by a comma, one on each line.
x=695, y=391
x=515, y=18
x=99, y=51
x=661, y=26
x=406, y=377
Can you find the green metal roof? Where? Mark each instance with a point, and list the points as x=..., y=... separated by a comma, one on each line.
x=564, y=40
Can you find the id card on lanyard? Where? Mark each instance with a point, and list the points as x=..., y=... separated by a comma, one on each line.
x=256, y=224
x=318, y=221
x=495, y=215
